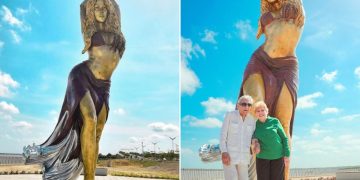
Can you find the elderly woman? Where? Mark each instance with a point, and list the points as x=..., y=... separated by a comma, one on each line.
x=273, y=152
x=272, y=72
x=74, y=143
x=235, y=139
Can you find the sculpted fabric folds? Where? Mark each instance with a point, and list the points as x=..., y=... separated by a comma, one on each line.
x=275, y=72
x=61, y=152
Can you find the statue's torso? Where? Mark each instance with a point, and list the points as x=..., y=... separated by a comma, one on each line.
x=282, y=31
x=104, y=58
x=282, y=38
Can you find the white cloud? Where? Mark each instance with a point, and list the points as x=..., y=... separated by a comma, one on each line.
x=244, y=29
x=6, y=79
x=316, y=130
x=162, y=127
x=188, y=49
x=328, y=139
x=307, y=101
x=8, y=108
x=22, y=124
x=329, y=77
x=9, y=18
x=189, y=80
x=6, y=83
x=215, y=106
x=134, y=139
x=205, y=123
x=214, y=141
x=329, y=146
x=357, y=72
x=21, y=11
x=30, y=9
x=154, y=137
x=351, y=117
x=15, y=36
x=339, y=87
x=319, y=36
x=5, y=116
x=209, y=36
x=330, y=110
x=119, y=111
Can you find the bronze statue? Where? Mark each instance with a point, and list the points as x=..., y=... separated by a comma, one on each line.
x=74, y=143
x=272, y=72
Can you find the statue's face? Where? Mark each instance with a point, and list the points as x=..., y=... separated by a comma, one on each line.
x=100, y=11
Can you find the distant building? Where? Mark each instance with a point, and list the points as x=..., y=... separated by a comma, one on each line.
x=11, y=159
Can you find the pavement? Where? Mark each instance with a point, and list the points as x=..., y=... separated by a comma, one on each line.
x=39, y=177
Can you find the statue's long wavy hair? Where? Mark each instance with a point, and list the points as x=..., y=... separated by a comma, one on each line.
x=89, y=24
x=265, y=7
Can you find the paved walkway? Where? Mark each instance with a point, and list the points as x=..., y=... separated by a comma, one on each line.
x=38, y=177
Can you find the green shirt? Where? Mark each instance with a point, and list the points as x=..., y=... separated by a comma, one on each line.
x=272, y=138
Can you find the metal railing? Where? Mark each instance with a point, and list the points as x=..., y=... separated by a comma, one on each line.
x=218, y=174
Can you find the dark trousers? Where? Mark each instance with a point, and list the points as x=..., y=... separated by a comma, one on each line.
x=270, y=169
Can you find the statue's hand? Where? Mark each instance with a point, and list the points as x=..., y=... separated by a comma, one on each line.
x=289, y=11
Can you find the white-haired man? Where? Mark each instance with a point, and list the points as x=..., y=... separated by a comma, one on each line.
x=235, y=140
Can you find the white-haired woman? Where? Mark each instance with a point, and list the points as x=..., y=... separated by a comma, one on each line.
x=274, y=152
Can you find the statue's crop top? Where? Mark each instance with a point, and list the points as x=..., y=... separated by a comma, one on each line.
x=287, y=12
x=97, y=40
x=116, y=41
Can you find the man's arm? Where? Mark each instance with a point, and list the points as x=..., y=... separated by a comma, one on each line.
x=225, y=157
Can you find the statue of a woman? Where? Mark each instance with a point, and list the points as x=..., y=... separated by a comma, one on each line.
x=272, y=72
x=74, y=143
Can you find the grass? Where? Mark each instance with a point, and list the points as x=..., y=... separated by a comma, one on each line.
x=144, y=169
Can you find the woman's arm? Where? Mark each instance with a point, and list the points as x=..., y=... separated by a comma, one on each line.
x=284, y=138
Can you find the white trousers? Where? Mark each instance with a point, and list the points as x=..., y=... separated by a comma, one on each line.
x=236, y=172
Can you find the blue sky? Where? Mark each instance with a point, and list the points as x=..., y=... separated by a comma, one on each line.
x=218, y=38
x=41, y=41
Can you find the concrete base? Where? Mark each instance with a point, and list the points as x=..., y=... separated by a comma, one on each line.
x=347, y=175
x=101, y=172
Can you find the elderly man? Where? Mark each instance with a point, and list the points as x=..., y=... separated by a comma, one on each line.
x=236, y=132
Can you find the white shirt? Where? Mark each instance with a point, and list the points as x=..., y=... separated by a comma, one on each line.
x=236, y=136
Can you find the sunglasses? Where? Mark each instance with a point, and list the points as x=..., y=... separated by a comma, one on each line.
x=245, y=104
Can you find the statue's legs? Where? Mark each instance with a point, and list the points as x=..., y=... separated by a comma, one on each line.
x=254, y=86
x=99, y=128
x=88, y=136
x=284, y=111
